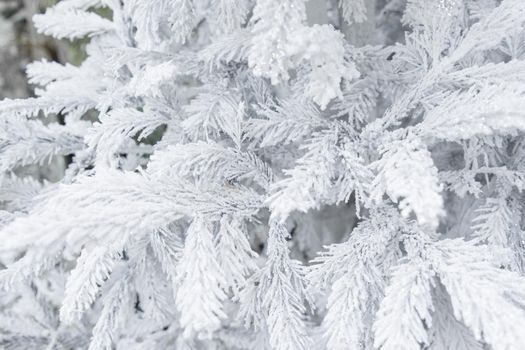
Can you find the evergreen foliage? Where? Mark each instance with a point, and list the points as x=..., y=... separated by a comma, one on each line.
x=241, y=178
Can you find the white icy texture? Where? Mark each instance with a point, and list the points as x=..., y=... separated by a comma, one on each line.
x=241, y=177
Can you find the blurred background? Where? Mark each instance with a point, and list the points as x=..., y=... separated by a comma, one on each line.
x=21, y=44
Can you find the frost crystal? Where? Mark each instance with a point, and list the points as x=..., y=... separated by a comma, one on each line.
x=228, y=174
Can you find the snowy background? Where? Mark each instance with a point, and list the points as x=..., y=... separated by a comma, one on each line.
x=262, y=174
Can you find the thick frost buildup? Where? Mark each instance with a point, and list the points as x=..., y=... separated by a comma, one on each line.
x=267, y=174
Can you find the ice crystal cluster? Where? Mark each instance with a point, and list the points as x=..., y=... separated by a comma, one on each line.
x=269, y=174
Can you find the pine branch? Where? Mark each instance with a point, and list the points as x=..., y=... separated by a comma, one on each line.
x=71, y=24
